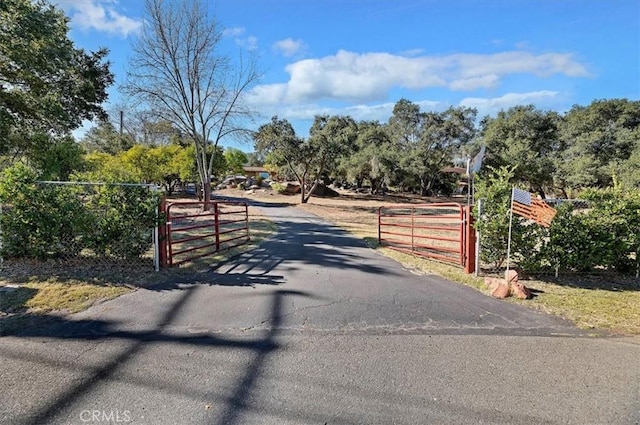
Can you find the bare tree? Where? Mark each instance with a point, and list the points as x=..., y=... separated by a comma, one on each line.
x=179, y=72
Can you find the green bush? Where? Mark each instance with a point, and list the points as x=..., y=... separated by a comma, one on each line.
x=605, y=236
x=53, y=221
x=124, y=219
x=278, y=187
x=39, y=221
x=494, y=191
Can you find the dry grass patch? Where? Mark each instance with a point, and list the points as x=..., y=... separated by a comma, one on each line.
x=613, y=310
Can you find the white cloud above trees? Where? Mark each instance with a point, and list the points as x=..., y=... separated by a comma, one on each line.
x=101, y=16
x=367, y=77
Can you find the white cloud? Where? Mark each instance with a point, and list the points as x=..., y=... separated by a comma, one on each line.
x=289, y=46
x=367, y=77
x=380, y=112
x=233, y=32
x=491, y=106
x=100, y=15
x=252, y=43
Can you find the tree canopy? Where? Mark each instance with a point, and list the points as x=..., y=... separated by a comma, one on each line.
x=47, y=85
x=550, y=153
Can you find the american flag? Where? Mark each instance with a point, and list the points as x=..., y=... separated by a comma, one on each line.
x=526, y=205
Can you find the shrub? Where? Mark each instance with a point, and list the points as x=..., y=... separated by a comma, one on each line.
x=52, y=221
x=606, y=236
x=494, y=191
x=279, y=187
x=124, y=219
x=39, y=221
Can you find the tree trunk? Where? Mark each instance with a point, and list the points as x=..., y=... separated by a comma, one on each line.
x=313, y=187
x=541, y=193
x=207, y=190
x=302, y=190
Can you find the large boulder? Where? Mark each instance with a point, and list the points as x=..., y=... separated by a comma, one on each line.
x=291, y=188
x=324, y=191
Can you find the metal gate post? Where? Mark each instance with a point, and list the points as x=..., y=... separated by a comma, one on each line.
x=216, y=220
x=470, y=243
x=379, y=225
x=162, y=232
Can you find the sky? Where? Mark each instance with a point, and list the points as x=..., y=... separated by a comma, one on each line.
x=359, y=57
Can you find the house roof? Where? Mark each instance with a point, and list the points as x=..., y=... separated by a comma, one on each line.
x=255, y=169
x=458, y=170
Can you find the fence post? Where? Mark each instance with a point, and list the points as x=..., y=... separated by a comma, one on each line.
x=379, y=225
x=412, y=230
x=246, y=220
x=470, y=243
x=162, y=232
x=216, y=220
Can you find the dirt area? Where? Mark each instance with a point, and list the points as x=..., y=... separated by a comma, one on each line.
x=355, y=212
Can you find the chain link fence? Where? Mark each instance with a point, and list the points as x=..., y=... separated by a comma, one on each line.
x=84, y=227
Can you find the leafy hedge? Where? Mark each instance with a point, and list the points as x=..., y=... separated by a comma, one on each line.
x=59, y=221
x=604, y=236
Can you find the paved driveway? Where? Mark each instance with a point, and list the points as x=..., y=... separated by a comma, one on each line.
x=312, y=328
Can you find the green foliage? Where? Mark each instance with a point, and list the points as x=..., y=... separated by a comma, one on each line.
x=235, y=160
x=600, y=140
x=425, y=142
x=55, y=158
x=39, y=222
x=48, y=85
x=104, y=138
x=124, y=219
x=527, y=138
x=279, y=187
x=605, y=236
x=51, y=221
x=492, y=221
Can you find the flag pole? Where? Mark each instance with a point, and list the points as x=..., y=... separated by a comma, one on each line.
x=510, y=224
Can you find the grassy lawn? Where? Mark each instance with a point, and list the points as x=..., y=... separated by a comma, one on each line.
x=31, y=288
x=609, y=303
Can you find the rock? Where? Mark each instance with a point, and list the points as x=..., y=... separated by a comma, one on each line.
x=492, y=282
x=511, y=276
x=500, y=291
x=324, y=191
x=292, y=188
x=520, y=291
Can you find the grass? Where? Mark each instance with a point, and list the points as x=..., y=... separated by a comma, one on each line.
x=600, y=303
x=30, y=288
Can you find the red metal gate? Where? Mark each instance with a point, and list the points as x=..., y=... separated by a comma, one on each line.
x=196, y=229
x=437, y=231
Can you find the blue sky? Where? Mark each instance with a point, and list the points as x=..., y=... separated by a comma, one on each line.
x=358, y=57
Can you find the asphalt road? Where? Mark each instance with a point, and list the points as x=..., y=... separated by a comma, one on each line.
x=315, y=328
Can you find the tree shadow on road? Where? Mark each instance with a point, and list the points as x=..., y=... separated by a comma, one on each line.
x=236, y=402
